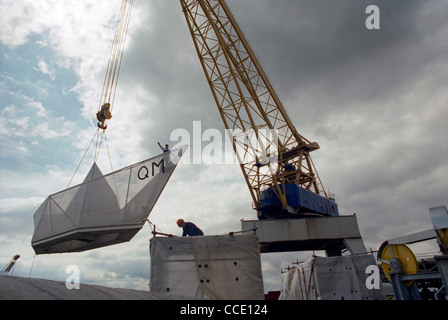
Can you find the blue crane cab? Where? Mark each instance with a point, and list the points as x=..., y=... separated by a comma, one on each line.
x=300, y=201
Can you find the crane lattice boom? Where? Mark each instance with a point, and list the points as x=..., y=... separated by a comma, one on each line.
x=248, y=103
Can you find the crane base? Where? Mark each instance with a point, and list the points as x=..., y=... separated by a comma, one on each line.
x=332, y=234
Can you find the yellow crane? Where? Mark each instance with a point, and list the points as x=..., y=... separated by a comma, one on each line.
x=274, y=158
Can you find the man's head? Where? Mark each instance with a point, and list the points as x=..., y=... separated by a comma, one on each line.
x=167, y=146
x=181, y=223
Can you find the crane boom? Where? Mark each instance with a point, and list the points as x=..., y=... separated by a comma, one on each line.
x=249, y=106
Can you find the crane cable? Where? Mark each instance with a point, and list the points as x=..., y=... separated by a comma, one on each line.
x=114, y=65
x=110, y=82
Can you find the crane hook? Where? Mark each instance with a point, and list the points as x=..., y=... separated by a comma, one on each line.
x=103, y=115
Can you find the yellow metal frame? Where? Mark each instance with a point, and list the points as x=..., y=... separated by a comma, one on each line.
x=247, y=101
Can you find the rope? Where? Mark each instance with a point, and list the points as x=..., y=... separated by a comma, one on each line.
x=108, y=152
x=156, y=231
x=109, y=90
x=85, y=153
x=32, y=265
x=110, y=83
x=98, y=145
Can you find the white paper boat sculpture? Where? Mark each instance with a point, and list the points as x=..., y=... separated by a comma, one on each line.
x=104, y=209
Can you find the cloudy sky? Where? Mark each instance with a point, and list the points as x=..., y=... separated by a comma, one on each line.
x=375, y=101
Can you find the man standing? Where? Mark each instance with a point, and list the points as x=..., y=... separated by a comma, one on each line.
x=166, y=149
x=189, y=228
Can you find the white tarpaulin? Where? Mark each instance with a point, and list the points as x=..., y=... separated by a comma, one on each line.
x=104, y=209
x=210, y=267
x=332, y=278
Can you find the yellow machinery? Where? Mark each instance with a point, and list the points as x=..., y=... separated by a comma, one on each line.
x=397, y=258
x=402, y=269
